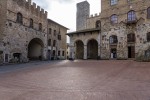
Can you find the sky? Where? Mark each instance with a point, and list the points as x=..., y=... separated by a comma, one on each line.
x=64, y=11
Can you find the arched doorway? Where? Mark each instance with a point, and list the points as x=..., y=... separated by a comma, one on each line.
x=92, y=49
x=35, y=49
x=79, y=49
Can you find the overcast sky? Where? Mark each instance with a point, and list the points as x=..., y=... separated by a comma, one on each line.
x=64, y=11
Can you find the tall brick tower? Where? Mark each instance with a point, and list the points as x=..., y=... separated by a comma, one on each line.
x=83, y=12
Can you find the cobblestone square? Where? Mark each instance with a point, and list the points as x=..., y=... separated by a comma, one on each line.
x=76, y=80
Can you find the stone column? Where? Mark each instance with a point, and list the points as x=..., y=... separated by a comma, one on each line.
x=85, y=51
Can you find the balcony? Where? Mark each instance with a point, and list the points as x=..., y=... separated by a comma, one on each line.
x=131, y=21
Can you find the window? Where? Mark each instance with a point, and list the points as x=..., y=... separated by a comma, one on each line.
x=53, y=52
x=63, y=53
x=49, y=42
x=148, y=37
x=59, y=37
x=54, y=32
x=58, y=53
x=50, y=30
x=114, y=19
x=113, y=39
x=31, y=23
x=131, y=16
x=54, y=43
x=113, y=2
x=98, y=24
x=131, y=37
x=148, y=13
x=19, y=18
x=6, y=58
x=40, y=27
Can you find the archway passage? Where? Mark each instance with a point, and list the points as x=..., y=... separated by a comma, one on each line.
x=92, y=49
x=35, y=49
x=79, y=49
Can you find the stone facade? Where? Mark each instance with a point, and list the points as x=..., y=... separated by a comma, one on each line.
x=124, y=27
x=57, y=39
x=24, y=31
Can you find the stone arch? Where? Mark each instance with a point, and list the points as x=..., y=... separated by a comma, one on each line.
x=92, y=49
x=79, y=49
x=35, y=49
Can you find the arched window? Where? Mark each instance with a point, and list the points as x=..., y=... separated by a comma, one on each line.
x=113, y=39
x=131, y=16
x=148, y=13
x=148, y=37
x=113, y=2
x=31, y=23
x=49, y=42
x=131, y=37
x=19, y=18
x=98, y=24
x=40, y=27
x=114, y=19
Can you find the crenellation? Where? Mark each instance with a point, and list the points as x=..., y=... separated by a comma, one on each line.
x=95, y=15
x=46, y=14
x=38, y=9
x=34, y=5
x=32, y=8
x=29, y=1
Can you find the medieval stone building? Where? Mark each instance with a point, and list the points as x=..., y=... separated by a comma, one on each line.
x=24, y=32
x=120, y=31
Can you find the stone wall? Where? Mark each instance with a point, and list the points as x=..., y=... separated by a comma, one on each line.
x=122, y=29
x=19, y=35
x=3, y=11
x=16, y=38
x=91, y=21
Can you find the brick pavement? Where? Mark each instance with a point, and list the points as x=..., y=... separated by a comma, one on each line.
x=77, y=80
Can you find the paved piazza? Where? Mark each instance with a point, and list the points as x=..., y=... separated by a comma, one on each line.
x=76, y=80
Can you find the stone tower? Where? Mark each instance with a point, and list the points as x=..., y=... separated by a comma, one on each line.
x=83, y=11
x=3, y=12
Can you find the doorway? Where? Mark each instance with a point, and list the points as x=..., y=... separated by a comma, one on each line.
x=113, y=53
x=131, y=52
